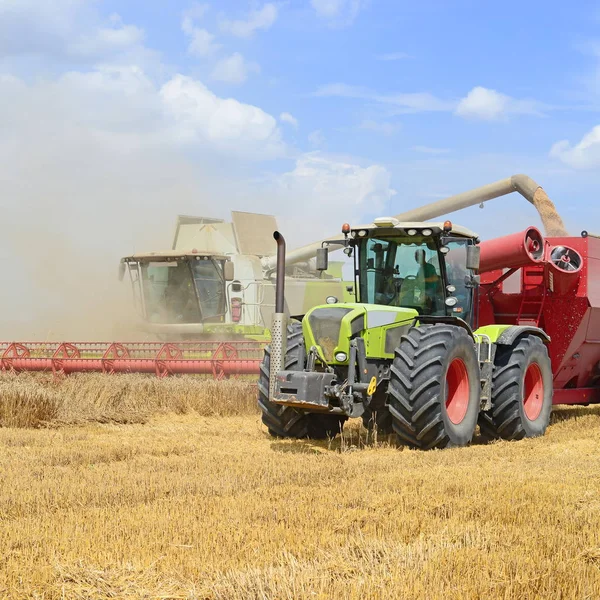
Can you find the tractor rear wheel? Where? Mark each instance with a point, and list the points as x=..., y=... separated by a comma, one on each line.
x=433, y=394
x=286, y=421
x=521, y=391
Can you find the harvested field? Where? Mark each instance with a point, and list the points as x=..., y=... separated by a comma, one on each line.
x=193, y=506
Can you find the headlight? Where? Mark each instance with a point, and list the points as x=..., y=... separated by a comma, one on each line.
x=451, y=301
x=426, y=232
x=412, y=232
x=362, y=232
x=331, y=300
x=341, y=356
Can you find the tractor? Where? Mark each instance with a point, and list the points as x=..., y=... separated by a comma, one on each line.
x=409, y=356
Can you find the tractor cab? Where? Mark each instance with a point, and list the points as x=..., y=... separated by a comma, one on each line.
x=428, y=267
x=408, y=357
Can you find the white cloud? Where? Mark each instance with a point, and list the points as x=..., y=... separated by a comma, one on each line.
x=202, y=42
x=338, y=12
x=479, y=103
x=197, y=11
x=393, y=56
x=380, y=127
x=262, y=18
x=400, y=102
x=489, y=105
x=584, y=155
x=333, y=189
x=430, y=150
x=316, y=138
x=62, y=29
x=106, y=40
x=231, y=126
x=482, y=103
x=123, y=103
x=234, y=69
x=286, y=117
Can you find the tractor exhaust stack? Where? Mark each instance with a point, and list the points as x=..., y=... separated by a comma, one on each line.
x=279, y=329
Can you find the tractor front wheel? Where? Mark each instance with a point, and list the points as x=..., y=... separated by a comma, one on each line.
x=433, y=394
x=521, y=391
x=286, y=421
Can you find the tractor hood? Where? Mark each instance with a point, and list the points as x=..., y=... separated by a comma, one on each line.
x=330, y=327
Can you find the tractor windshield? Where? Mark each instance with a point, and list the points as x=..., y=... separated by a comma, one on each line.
x=402, y=272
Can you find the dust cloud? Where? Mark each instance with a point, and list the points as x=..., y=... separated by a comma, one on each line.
x=68, y=217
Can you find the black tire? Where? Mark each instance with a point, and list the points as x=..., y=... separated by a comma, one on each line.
x=519, y=409
x=285, y=421
x=435, y=365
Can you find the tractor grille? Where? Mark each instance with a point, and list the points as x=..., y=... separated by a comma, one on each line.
x=325, y=324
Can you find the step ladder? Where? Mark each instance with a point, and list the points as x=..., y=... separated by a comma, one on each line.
x=532, y=304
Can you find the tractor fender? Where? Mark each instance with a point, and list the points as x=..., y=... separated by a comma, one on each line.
x=510, y=335
x=436, y=320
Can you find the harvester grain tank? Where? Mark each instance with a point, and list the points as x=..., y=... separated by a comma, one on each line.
x=447, y=332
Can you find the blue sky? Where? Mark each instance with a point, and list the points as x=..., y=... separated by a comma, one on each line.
x=117, y=116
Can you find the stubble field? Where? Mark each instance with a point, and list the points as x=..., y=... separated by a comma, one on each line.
x=130, y=487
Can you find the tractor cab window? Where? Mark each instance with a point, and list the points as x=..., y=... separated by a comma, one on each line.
x=169, y=293
x=402, y=272
x=458, y=276
x=210, y=283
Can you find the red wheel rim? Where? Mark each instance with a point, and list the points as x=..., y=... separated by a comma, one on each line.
x=457, y=391
x=533, y=393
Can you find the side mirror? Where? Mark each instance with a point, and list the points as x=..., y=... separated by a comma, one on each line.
x=322, y=259
x=228, y=271
x=121, y=271
x=473, y=256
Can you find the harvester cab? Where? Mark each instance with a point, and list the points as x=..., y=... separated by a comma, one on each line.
x=407, y=356
x=180, y=287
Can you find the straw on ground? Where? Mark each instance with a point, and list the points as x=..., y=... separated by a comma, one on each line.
x=192, y=506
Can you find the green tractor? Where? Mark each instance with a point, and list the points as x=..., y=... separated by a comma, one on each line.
x=407, y=357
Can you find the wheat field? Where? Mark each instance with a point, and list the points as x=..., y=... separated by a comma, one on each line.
x=139, y=488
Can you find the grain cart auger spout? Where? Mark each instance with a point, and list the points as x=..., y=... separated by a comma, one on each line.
x=407, y=357
x=524, y=185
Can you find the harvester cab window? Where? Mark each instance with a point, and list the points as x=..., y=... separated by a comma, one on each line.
x=402, y=272
x=210, y=283
x=169, y=292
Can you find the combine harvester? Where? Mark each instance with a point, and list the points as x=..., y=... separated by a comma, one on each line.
x=206, y=305
x=448, y=332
